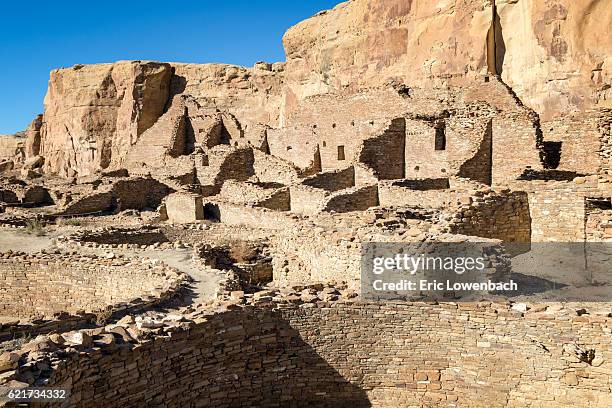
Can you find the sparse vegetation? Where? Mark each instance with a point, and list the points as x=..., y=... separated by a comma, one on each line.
x=35, y=227
x=70, y=222
x=104, y=316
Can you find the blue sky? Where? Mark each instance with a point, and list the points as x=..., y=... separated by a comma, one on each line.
x=38, y=36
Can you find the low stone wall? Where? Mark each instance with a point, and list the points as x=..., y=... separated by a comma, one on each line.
x=274, y=196
x=277, y=350
x=501, y=215
x=428, y=193
x=332, y=180
x=184, y=207
x=253, y=217
x=117, y=237
x=306, y=200
x=352, y=199
x=44, y=287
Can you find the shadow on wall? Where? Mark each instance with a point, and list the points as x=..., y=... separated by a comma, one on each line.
x=496, y=46
x=238, y=358
x=548, y=175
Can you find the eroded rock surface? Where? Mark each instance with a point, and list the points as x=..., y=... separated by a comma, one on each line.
x=554, y=54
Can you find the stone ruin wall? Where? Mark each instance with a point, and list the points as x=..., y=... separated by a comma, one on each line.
x=184, y=207
x=310, y=254
x=455, y=143
x=497, y=215
x=330, y=129
x=330, y=354
x=384, y=153
x=427, y=193
x=306, y=200
x=44, y=293
x=258, y=194
x=252, y=217
x=44, y=285
x=557, y=215
x=352, y=199
x=605, y=151
x=126, y=193
x=598, y=225
x=580, y=140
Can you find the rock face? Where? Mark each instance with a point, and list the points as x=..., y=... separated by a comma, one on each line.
x=252, y=95
x=11, y=150
x=32, y=147
x=554, y=54
x=94, y=113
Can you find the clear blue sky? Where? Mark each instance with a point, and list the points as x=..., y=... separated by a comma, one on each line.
x=38, y=36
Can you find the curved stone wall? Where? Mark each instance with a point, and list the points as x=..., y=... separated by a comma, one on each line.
x=49, y=286
x=352, y=354
x=111, y=237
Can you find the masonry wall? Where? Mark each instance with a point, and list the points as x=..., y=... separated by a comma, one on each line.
x=332, y=180
x=427, y=193
x=352, y=199
x=330, y=355
x=139, y=193
x=246, y=192
x=184, y=207
x=517, y=133
x=385, y=153
x=605, y=150
x=92, y=203
x=498, y=215
x=307, y=200
x=335, y=126
x=557, y=215
x=223, y=163
x=254, y=217
x=450, y=143
x=598, y=226
x=45, y=285
x=270, y=169
x=312, y=254
x=279, y=200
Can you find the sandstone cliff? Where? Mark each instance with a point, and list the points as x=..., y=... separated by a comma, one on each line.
x=554, y=54
x=94, y=114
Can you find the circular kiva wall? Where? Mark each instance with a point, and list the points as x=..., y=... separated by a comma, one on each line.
x=117, y=237
x=354, y=355
x=44, y=285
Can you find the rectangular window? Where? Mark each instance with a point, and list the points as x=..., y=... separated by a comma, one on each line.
x=341, y=155
x=440, y=135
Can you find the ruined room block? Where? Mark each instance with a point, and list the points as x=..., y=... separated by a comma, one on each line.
x=184, y=207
